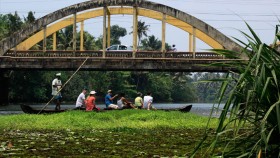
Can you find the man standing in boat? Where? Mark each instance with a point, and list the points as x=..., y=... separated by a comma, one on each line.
x=56, y=86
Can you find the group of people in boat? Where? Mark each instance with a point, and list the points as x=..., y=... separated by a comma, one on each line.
x=89, y=103
x=122, y=102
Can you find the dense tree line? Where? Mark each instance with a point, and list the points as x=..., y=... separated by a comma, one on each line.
x=35, y=86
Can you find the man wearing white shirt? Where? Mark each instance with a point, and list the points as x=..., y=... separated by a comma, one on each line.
x=148, y=100
x=56, y=86
x=80, y=102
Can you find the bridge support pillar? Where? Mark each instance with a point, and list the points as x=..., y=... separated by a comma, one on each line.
x=82, y=36
x=109, y=30
x=192, y=42
x=74, y=33
x=54, y=41
x=104, y=31
x=163, y=31
x=135, y=30
x=45, y=39
x=4, y=88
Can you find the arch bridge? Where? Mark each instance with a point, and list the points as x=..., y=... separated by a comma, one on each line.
x=15, y=50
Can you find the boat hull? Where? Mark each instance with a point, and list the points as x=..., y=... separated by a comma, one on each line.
x=29, y=110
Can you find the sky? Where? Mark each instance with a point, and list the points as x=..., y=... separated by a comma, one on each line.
x=226, y=16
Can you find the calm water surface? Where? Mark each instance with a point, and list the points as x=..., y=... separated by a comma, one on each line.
x=198, y=108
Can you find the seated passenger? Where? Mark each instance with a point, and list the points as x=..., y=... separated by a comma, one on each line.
x=139, y=101
x=148, y=100
x=123, y=103
x=81, y=100
x=90, y=103
x=109, y=100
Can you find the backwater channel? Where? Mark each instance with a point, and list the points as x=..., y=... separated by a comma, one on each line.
x=198, y=108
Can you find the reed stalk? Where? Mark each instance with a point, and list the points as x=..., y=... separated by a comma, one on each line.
x=249, y=125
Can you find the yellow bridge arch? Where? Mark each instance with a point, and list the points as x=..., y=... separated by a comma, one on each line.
x=34, y=33
x=28, y=43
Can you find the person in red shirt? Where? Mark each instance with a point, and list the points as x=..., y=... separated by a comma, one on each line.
x=90, y=103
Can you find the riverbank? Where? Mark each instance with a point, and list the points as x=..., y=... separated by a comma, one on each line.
x=126, y=133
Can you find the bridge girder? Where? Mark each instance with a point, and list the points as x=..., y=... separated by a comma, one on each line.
x=176, y=17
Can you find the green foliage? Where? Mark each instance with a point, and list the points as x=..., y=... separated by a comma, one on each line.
x=9, y=24
x=30, y=17
x=14, y=23
x=142, y=30
x=35, y=86
x=28, y=86
x=116, y=33
x=99, y=42
x=4, y=27
x=254, y=124
x=133, y=119
x=151, y=43
x=157, y=83
x=160, y=86
x=89, y=41
x=65, y=37
x=119, y=141
x=207, y=86
x=182, y=88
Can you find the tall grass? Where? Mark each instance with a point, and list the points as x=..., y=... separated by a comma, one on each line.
x=253, y=127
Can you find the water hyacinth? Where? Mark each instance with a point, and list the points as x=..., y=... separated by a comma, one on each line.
x=115, y=133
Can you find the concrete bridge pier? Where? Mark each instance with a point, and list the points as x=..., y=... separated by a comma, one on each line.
x=4, y=88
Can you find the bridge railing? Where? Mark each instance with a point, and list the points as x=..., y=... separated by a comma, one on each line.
x=113, y=54
x=148, y=54
x=49, y=53
x=119, y=54
x=207, y=55
x=187, y=55
x=88, y=53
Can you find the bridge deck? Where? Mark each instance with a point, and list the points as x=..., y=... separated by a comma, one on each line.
x=115, y=54
x=118, y=60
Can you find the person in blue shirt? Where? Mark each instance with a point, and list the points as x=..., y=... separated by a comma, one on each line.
x=109, y=100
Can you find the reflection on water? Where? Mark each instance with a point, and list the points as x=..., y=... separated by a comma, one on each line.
x=198, y=108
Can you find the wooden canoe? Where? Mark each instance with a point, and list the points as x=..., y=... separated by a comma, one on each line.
x=186, y=108
x=29, y=110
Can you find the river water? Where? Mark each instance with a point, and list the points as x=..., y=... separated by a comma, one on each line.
x=198, y=108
